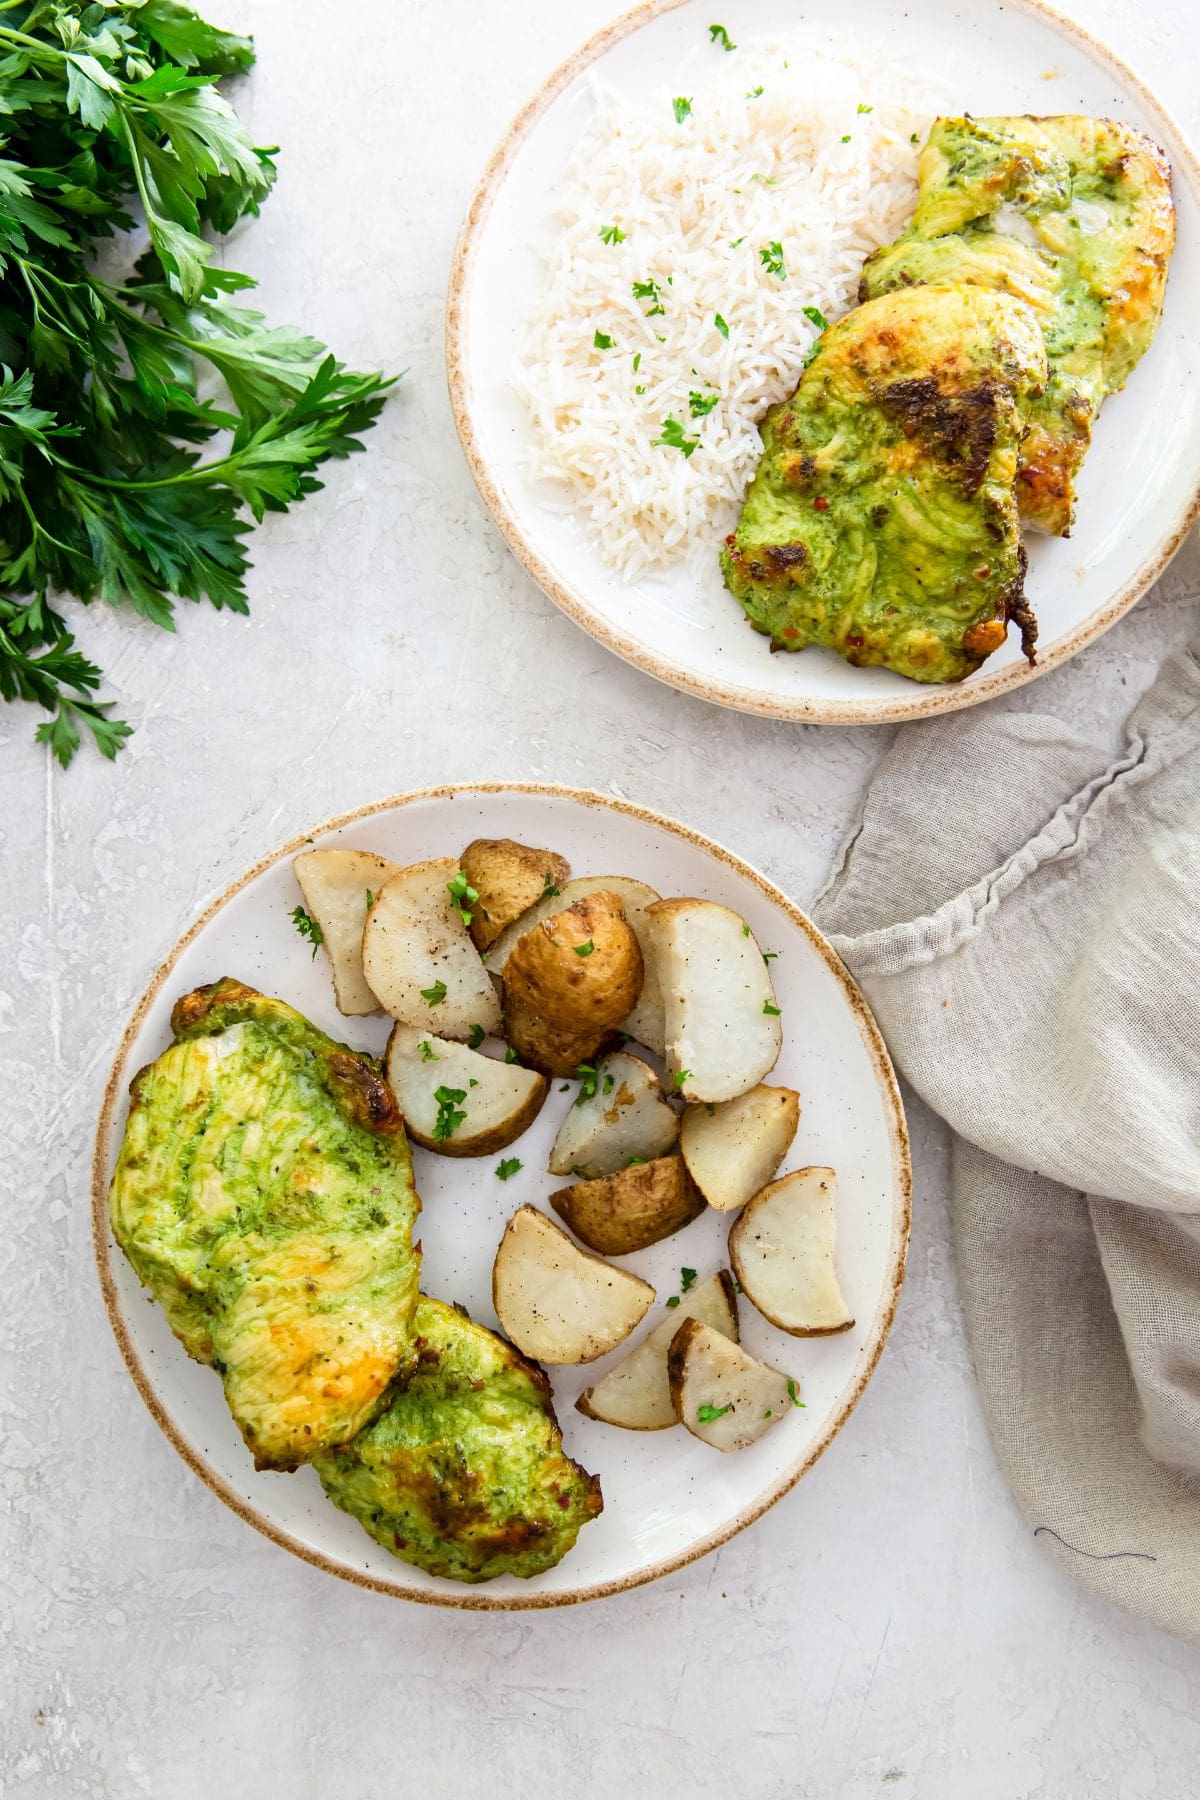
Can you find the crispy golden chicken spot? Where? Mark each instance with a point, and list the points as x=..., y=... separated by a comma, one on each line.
x=881, y=522
x=1072, y=215
x=263, y=1193
x=464, y=1473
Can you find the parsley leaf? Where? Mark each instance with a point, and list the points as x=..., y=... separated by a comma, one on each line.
x=719, y=35
x=687, y=1278
x=702, y=403
x=771, y=258
x=815, y=316
x=584, y=949
x=308, y=928
x=706, y=1413
x=772, y=1011
x=463, y=895
x=793, y=1393
x=649, y=290
x=476, y=1037
x=435, y=994
x=450, y=1113
x=674, y=1300
x=508, y=1166
x=602, y=341
x=428, y=1053
x=510, y=1055
x=589, y=1076
x=675, y=438
x=680, y=1078
x=612, y=234
x=755, y=94
x=682, y=108
x=720, y=324
x=865, y=109
x=370, y=899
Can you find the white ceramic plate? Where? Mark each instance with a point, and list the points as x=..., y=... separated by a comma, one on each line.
x=667, y=1497
x=1140, y=487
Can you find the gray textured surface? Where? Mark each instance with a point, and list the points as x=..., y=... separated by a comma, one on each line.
x=891, y=1629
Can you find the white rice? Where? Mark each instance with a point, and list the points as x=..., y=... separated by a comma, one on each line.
x=801, y=165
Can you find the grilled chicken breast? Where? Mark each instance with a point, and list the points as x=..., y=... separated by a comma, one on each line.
x=264, y=1194
x=881, y=520
x=464, y=1473
x=1073, y=216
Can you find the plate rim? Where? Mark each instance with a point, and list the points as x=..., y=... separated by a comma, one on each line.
x=479, y=1599
x=929, y=702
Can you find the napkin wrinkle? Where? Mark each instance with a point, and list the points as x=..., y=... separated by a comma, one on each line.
x=1023, y=913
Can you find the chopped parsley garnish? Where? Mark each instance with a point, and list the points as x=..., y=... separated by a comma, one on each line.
x=370, y=899
x=308, y=928
x=702, y=403
x=772, y=1010
x=463, y=895
x=436, y=994
x=635, y=1162
x=681, y=1077
x=687, y=1279
x=450, y=1114
x=508, y=1166
x=719, y=35
x=476, y=1038
x=589, y=1077
x=720, y=324
x=584, y=949
x=865, y=109
x=793, y=1394
x=549, y=892
x=769, y=955
x=682, y=108
x=915, y=138
x=602, y=341
x=510, y=1055
x=637, y=363
x=706, y=1413
x=675, y=438
x=428, y=1053
x=649, y=290
x=612, y=234
x=815, y=316
x=771, y=258
x=745, y=931
x=846, y=139
x=755, y=93
x=674, y=1300
x=767, y=180
x=734, y=242
x=767, y=1414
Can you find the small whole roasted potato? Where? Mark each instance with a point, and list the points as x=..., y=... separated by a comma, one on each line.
x=509, y=878
x=569, y=983
x=638, y=1206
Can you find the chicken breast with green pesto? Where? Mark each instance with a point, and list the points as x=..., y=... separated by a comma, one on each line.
x=881, y=521
x=264, y=1194
x=464, y=1473
x=1074, y=217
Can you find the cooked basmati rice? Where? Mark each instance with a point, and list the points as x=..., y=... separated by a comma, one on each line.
x=801, y=153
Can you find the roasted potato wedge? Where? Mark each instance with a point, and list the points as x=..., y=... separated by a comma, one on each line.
x=721, y=1020
x=578, y=972
x=628, y=1117
x=457, y=1101
x=636, y=1394
x=418, y=958
x=724, y=1396
x=733, y=1149
x=782, y=1249
x=557, y=1303
x=635, y=1207
x=509, y=878
x=337, y=886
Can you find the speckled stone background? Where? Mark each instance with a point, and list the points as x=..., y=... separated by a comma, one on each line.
x=891, y=1629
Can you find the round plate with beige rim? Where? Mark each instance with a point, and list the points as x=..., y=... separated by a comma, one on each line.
x=1140, y=487
x=668, y=1498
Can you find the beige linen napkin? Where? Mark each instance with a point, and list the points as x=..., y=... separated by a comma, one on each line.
x=1026, y=926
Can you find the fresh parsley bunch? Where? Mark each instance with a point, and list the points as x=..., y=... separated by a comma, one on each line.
x=111, y=485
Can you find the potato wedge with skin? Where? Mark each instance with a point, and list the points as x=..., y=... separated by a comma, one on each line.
x=721, y=1018
x=627, y=1117
x=724, y=1396
x=550, y=1048
x=509, y=878
x=733, y=1149
x=336, y=885
x=556, y=1302
x=415, y=944
x=636, y=1395
x=500, y=1100
x=632, y=1209
x=782, y=1249
x=579, y=971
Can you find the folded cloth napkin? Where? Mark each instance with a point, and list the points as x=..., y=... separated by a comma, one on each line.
x=1026, y=925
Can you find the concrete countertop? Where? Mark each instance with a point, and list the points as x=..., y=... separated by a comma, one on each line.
x=890, y=1629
